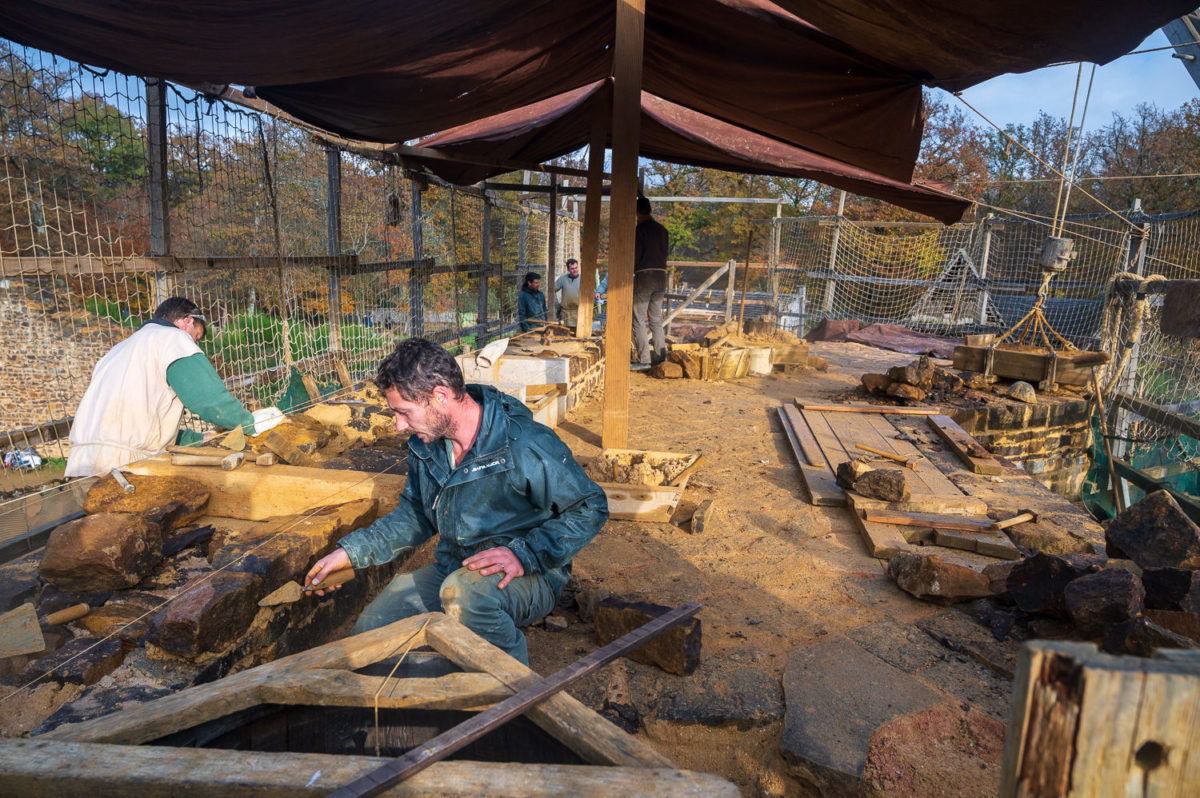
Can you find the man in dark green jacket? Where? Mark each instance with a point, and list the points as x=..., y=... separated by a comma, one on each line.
x=511, y=505
x=531, y=303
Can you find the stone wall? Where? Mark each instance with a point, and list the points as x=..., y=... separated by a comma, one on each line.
x=48, y=347
x=1050, y=439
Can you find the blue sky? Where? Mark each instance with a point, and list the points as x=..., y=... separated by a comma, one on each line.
x=1119, y=87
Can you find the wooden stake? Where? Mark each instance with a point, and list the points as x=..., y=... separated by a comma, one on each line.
x=1112, y=467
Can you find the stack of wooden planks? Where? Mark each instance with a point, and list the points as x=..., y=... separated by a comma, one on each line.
x=937, y=512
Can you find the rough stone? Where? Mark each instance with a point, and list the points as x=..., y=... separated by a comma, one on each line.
x=918, y=374
x=1038, y=583
x=958, y=631
x=1170, y=588
x=932, y=579
x=1155, y=533
x=207, y=616
x=107, y=551
x=1022, y=391
x=948, y=749
x=902, y=390
x=1181, y=623
x=1096, y=600
x=974, y=380
x=676, y=650
x=294, y=441
x=703, y=516
x=947, y=381
x=84, y=660
x=555, y=623
x=876, y=383
x=666, y=370
x=1141, y=637
x=186, y=538
x=834, y=693
x=18, y=588
x=886, y=484
x=849, y=472
x=54, y=598
x=169, y=502
x=742, y=698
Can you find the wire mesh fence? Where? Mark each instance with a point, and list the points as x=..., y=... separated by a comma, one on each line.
x=91, y=240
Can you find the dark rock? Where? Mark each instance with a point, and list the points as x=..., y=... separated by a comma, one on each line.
x=676, y=650
x=17, y=589
x=1022, y=391
x=885, y=484
x=902, y=390
x=84, y=660
x=128, y=617
x=703, y=516
x=667, y=370
x=168, y=502
x=1155, y=533
x=54, y=598
x=101, y=552
x=742, y=698
x=186, y=538
x=555, y=623
x=849, y=472
x=97, y=702
x=918, y=374
x=837, y=694
x=1141, y=637
x=1167, y=588
x=932, y=579
x=208, y=615
x=947, y=381
x=1051, y=629
x=1179, y=622
x=876, y=383
x=1096, y=600
x=959, y=632
x=1037, y=584
x=974, y=380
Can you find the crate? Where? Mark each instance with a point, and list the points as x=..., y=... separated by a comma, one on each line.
x=650, y=503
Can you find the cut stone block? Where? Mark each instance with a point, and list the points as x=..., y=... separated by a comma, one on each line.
x=108, y=551
x=1155, y=533
x=208, y=615
x=885, y=484
x=1141, y=637
x=170, y=502
x=932, y=579
x=676, y=650
x=84, y=660
x=1096, y=600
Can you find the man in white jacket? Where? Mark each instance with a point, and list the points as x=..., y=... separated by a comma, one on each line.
x=135, y=401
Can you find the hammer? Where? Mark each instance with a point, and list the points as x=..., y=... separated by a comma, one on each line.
x=907, y=462
x=1022, y=517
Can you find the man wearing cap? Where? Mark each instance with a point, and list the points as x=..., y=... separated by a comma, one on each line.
x=651, y=244
x=135, y=401
x=566, y=287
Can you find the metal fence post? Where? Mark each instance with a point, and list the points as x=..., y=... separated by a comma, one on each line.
x=831, y=283
x=485, y=267
x=156, y=157
x=333, y=232
x=983, y=267
x=732, y=277
x=552, y=253
x=416, y=287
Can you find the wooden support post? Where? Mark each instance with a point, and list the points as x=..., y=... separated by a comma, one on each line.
x=156, y=157
x=831, y=284
x=591, y=221
x=416, y=284
x=729, y=290
x=333, y=236
x=552, y=253
x=626, y=135
x=485, y=268
x=985, y=297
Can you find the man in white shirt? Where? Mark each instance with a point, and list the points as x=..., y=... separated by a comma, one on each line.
x=566, y=291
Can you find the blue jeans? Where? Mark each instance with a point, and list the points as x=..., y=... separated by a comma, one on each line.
x=469, y=598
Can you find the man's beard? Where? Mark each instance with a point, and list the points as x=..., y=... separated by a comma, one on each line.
x=442, y=425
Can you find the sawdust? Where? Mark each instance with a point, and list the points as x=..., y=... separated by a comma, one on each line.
x=24, y=713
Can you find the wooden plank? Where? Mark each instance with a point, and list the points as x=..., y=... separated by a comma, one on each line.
x=259, y=493
x=928, y=484
x=883, y=541
x=928, y=471
x=343, y=374
x=20, y=632
x=1029, y=366
x=926, y=503
x=310, y=387
x=77, y=265
x=818, y=477
x=626, y=138
x=326, y=687
x=40, y=767
x=969, y=450
x=563, y=717
x=990, y=543
x=929, y=520
x=831, y=448
x=887, y=411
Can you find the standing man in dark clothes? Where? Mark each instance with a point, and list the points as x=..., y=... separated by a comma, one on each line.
x=649, y=285
x=531, y=303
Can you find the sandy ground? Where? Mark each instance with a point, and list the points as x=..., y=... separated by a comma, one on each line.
x=774, y=573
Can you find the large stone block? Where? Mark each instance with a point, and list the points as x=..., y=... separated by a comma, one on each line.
x=208, y=615
x=676, y=650
x=1096, y=600
x=84, y=660
x=932, y=579
x=108, y=551
x=1039, y=583
x=169, y=502
x=1155, y=533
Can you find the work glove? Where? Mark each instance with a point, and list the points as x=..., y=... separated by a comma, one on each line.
x=266, y=419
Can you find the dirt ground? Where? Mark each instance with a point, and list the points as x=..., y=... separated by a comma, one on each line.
x=773, y=574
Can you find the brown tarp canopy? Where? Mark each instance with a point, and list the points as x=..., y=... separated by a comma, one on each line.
x=669, y=132
x=839, y=79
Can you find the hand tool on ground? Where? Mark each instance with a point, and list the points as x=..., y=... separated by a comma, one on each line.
x=72, y=613
x=294, y=591
x=478, y=725
x=125, y=484
x=1022, y=517
x=226, y=462
x=907, y=462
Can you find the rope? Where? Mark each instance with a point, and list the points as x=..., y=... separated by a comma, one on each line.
x=1078, y=145
x=1118, y=314
x=407, y=641
x=1066, y=151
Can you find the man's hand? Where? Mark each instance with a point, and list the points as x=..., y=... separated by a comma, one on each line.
x=335, y=561
x=493, y=561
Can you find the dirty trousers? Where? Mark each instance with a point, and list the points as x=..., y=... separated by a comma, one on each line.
x=648, y=304
x=472, y=599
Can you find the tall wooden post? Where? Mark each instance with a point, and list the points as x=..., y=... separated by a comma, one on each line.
x=333, y=237
x=590, y=248
x=552, y=253
x=626, y=135
x=156, y=157
x=485, y=268
x=416, y=286
x=983, y=267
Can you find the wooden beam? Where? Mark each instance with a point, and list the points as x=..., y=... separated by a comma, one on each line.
x=326, y=687
x=593, y=208
x=883, y=410
x=626, y=140
x=969, y=450
x=77, y=265
x=41, y=767
x=818, y=475
x=552, y=253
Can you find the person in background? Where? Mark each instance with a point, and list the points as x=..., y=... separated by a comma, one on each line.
x=531, y=303
x=649, y=285
x=504, y=494
x=135, y=401
x=566, y=292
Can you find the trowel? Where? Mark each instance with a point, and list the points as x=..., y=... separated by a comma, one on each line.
x=293, y=591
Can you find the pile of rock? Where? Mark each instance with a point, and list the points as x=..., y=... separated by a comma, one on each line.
x=921, y=381
x=1143, y=593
